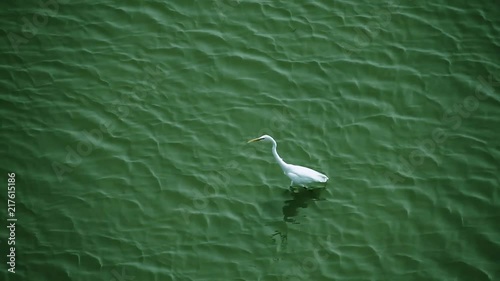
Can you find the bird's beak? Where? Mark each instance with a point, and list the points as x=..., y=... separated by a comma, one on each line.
x=252, y=140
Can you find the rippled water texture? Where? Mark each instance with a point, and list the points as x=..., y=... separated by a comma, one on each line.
x=126, y=124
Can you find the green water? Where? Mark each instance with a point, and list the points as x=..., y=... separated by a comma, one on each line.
x=126, y=124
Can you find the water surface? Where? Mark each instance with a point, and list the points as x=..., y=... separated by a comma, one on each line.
x=126, y=124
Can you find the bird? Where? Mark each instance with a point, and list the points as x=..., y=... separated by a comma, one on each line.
x=299, y=175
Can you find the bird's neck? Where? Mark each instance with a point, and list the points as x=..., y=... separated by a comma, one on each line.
x=277, y=157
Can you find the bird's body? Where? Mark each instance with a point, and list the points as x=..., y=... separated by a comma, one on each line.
x=299, y=175
x=303, y=175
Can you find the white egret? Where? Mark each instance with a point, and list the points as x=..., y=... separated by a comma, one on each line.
x=298, y=175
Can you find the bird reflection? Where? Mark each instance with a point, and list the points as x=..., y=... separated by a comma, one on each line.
x=300, y=199
x=280, y=239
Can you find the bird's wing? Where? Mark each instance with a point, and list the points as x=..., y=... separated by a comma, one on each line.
x=307, y=173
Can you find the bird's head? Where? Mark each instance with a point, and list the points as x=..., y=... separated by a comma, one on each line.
x=263, y=137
